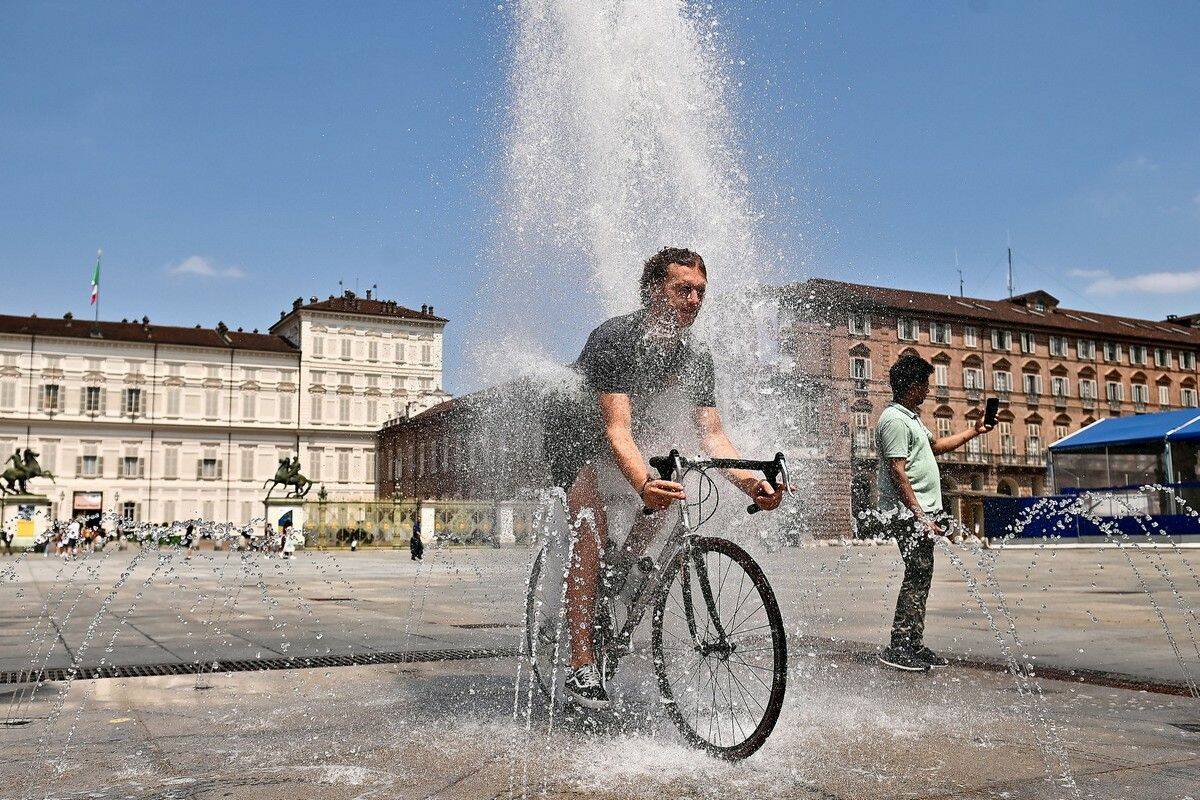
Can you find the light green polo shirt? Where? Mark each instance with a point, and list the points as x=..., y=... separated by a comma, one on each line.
x=901, y=434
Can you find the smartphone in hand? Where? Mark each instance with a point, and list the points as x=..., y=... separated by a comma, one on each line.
x=990, y=409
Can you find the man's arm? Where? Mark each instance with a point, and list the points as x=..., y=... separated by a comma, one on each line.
x=907, y=495
x=618, y=431
x=957, y=440
x=715, y=442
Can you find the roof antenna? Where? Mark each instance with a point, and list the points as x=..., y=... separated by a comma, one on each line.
x=1010, y=271
x=960, y=275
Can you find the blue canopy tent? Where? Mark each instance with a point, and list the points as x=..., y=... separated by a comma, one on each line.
x=1113, y=460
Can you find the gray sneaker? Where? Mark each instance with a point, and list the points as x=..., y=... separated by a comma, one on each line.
x=584, y=687
x=902, y=659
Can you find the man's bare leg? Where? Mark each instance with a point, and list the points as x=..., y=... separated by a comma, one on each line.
x=589, y=531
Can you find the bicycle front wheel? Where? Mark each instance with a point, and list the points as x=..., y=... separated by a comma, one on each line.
x=720, y=651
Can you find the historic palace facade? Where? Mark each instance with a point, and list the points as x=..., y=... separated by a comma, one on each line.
x=1054, y=370
x=165, y=423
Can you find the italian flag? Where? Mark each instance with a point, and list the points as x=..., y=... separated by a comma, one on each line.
x=96, y=278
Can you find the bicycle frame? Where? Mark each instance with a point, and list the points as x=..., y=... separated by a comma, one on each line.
x=678, y=542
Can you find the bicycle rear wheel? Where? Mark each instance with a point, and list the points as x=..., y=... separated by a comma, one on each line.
x=720, y=651
x=545, y=643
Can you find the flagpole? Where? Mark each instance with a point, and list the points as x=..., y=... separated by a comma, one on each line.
x=96, y=293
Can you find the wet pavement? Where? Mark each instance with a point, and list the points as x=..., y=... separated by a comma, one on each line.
x=449, y=728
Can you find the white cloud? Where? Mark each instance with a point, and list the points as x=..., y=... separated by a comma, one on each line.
x=201, y=267
x=1148, y=283
x=1139, y=165
x=1090, y=274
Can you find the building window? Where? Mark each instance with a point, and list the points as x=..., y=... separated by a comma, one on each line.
x=93, y=400
x=1187, y=360
x=860, y=325
x=249, y=406
x=344, y=409
x=318, y=402
x=129, y=511
x=1085, y=349
x=50, y=398
x=1114, y=391
x=1087, y=389
x=285, y=407
x=941, y=375
x=970, y=336
x=1141, y=393
x=939, y=333
x=1164, y=395
x=1112, y=352
x=972, y=378
x=1188, y=397
x=1058, y=346
x=373, y=350
x=208, y=469
x=862, y=440
x=208, y=509
x=1060, y=387
x=171, y=462
x=1033, y=384
x=318, y=377
x=89, y=466
x=8, y=393
x=318, y=347
x=1162, y=358
x=1060, y=432
x=173, y=401
x=343, y=466
x=49, y=457
x=169, y=511
x=1007, y=447
x=345, y=348
x=369, y=457
x=1028, y=342
x=212, y=403
x=943, y=427
x=131, y=402
x=1002, y=381
x=247, y=464
x=426, y=384
x=130, y=467
x=860, y=372
x=317, y=455
x=1033, y=441
x=1002, y=340
x=1137, y=354
x=907, y=329
x=372, y=411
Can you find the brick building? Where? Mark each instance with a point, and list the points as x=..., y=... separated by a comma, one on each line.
x=1054, y=369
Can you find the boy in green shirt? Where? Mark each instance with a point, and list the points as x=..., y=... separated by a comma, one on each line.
x=910, y=496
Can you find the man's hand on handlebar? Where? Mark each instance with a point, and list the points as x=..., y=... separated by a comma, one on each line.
x=766, y=496
x=659, y=494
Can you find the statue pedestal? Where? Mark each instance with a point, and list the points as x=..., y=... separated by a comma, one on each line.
x=26, y=517
x=276, y=508
x=505, y=531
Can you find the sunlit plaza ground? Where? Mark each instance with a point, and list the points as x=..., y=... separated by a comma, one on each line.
x=456, y=719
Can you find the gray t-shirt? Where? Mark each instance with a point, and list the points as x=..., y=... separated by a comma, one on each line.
x=901, y=434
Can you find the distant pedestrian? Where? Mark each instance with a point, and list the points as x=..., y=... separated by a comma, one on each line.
x=189, y=538
x=416, y=547
x=288, y=542
x=7, y=535
x=910, y=498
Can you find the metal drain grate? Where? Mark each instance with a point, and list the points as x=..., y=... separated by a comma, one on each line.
x=478, y=625
x=250, y=665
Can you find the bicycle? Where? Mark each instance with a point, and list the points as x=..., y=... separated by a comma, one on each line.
x=720, y=659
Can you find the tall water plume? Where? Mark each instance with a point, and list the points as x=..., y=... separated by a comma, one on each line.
x=620, y=139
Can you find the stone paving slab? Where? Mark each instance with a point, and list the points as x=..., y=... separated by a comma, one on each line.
x=450, y=730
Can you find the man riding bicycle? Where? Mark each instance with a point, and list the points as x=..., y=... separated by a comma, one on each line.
x=628, y=363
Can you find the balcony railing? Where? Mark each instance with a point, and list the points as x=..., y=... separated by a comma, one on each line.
x=1032, y=398
x=973, y=394
x=942, y=392
x=1139, y=406
x=1114, y=404
x=1060, y=401
x=1088, y=403
x=1002, y=394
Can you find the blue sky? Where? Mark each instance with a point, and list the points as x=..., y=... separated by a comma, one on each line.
x=230, y=157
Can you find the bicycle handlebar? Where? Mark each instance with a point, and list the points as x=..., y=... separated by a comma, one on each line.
x=674, y=463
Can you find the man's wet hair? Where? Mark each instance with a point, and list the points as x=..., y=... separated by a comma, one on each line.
x=907, y=372
x=655, y=270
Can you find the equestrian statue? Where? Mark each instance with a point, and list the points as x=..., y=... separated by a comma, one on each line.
x=288, y=474
x=16, y=478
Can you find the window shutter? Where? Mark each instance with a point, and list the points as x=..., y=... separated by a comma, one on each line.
x=41, y=401
x=83, y=399
x=100, y=466
x=103, y=399
x=78, y=466
x=141, y=468
x=220, y=469
x=199, y=468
